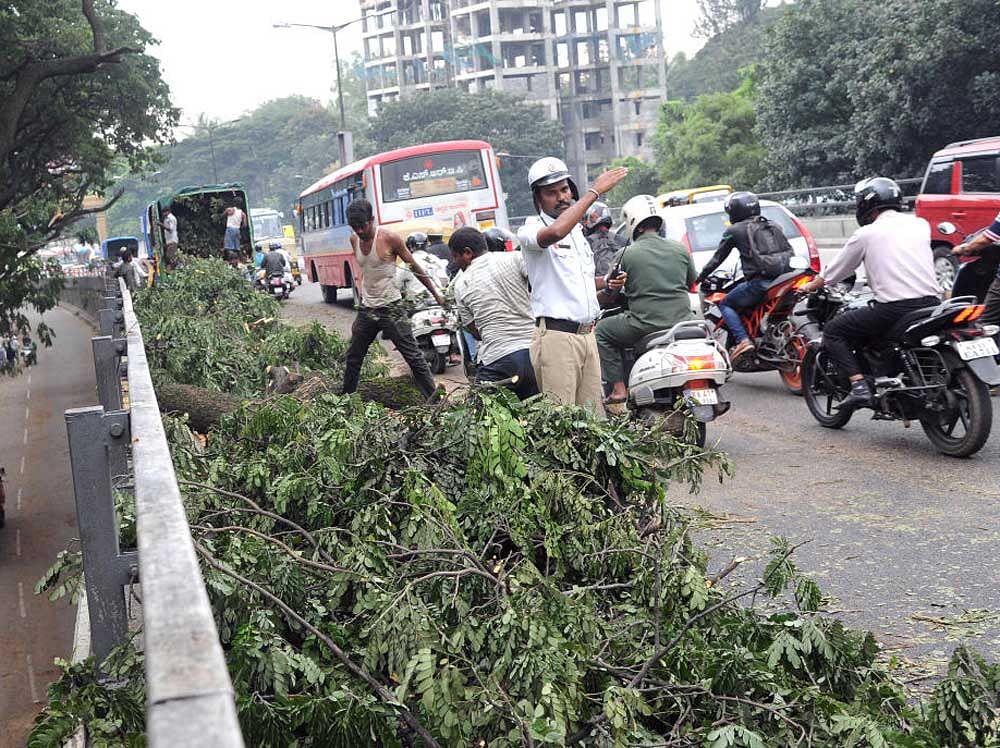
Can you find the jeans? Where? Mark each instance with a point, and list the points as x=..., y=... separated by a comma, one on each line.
x=517, y=363
x=851, y=330
x=231, y=239
x=395, y=326
x=745, y=296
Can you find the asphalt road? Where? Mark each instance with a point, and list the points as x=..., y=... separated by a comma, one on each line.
x=903, y=540
x=41, y=518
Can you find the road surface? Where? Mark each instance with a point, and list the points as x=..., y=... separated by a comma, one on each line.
x=41, y=518
x=903, y=540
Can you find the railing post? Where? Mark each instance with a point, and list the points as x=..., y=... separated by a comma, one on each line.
x=107, y=367
x=93, y=436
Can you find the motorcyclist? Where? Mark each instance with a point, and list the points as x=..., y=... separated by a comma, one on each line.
x=660, y=272
x=273, y=263
x=745, y=220
x=596, y=224
x=896, y=250
x=990, y=235
x=501, y=240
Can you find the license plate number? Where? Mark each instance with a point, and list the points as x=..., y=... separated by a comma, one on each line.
x=970, y=349
x=277, y=291
x=441, y=339
x=703, y=397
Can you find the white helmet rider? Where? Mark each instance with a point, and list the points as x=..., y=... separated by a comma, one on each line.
x=638, y=209
x=549, y=170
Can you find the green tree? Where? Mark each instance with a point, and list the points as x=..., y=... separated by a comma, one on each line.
x=78, y=97
x=504, y=120
x=719, y=15
x=850, y=89
x=642, y=179
x=710, y=141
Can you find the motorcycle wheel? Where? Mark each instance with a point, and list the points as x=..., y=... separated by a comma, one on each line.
x=793, y=379
x=963, y=430
x=823, y=390
x=440, y=363
x=695, y=434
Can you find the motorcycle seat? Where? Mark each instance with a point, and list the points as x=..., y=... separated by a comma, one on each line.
x=917, y=315
x=784, y=278
x=681, y=333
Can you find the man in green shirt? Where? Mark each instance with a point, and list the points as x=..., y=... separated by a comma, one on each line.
x=660, y=273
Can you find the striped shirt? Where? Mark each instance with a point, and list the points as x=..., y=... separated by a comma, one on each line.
x=993, y=232
x=493, y=294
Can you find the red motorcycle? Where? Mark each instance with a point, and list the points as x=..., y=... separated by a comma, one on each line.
x=780, y=333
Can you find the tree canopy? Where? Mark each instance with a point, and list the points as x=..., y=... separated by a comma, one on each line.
x=79, y=98
x=710, y=141
x=838, y=102
x=504, y=120
x=718, y=16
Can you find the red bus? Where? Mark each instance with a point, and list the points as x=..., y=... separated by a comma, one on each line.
x=449, y=184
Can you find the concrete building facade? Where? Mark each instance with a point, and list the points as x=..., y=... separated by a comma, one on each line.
x=596, y=66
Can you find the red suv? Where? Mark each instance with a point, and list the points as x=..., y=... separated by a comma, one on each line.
x=961, y=186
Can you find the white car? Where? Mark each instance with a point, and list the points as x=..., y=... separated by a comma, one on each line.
x=699, y=227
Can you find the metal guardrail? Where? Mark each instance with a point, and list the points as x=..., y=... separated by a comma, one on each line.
x=190, y=700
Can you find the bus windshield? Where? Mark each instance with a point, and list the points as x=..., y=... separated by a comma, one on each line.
x=266, y=226
x=433, y=174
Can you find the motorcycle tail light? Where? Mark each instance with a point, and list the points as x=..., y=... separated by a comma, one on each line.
x=970, y=313
x=698, y=363
x=801, y=282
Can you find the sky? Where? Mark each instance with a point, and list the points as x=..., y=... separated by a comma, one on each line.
x=224, y=57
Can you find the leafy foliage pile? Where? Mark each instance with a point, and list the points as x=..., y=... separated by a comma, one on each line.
x=205, y=326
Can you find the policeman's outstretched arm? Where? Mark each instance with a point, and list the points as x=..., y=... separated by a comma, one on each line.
x=560, y=228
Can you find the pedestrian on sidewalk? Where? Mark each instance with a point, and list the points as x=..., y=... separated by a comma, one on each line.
x=376, y=251
x=564, y=286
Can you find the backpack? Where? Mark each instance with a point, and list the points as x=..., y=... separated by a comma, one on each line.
x=770, y=247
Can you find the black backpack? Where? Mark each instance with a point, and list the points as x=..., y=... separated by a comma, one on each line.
x=770, y=247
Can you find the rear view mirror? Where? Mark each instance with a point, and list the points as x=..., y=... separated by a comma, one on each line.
x=947, y=228
x=798, y=263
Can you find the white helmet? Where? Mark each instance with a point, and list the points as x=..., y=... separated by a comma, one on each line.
x=549, y=170
x=639, y=209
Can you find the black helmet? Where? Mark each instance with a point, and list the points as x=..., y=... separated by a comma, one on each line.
x=416, y=240
x=500, y=240
x=598, y=214
x=741, y=206
x=877, y=193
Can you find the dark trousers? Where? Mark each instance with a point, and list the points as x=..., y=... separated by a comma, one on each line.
x=394, y=325
x=857, y=328
x=992, y=314
x=517, y=364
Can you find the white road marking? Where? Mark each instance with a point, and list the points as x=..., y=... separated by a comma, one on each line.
x=22, y=464
x=29, y=380
x=25, y=434
x=19, y=499
x=17, y=542
x=20, y=600
x=27, y=413
x=31, y=682
x=27, y=394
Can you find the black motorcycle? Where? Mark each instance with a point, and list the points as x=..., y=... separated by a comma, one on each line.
x=935, y=366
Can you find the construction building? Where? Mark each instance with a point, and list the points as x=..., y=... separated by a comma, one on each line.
x=596, y=66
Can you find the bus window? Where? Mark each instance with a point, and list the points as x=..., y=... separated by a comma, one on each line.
x=430, y=175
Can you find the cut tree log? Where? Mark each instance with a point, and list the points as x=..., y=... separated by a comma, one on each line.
x=205, y=408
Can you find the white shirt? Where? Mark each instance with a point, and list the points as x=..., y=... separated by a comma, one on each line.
x=235, y=220
x=896, y=250
x=492, y=293
x=561, y=275
x=170, y=229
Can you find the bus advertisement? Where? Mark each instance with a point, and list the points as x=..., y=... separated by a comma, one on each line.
x=433, y=188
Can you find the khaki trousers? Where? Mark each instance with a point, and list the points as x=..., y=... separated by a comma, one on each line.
x=568, y=368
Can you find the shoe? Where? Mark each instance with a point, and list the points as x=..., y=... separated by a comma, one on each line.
x=745, y=346
x=859, y=397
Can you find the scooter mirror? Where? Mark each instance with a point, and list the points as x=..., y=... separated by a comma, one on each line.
x=798, y=263
x=947, y=228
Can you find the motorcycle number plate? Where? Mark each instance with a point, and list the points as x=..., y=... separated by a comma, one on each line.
x=970, y=349
x=703, y=397
x=277, y=291
x=441, y=339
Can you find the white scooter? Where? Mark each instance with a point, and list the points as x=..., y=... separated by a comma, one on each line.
x=436, y=331
x=677, y=374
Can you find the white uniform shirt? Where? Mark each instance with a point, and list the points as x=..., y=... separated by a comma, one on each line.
x=561, y=275
x=170, y=229
x=899, y=261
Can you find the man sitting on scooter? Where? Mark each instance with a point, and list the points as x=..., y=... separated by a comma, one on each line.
x=761, y=261
x=660, y=272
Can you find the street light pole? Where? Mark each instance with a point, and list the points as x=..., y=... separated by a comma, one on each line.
x=211, y=147
x=340, y=88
